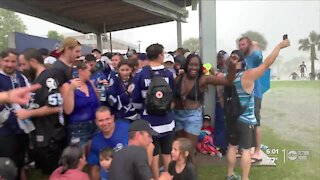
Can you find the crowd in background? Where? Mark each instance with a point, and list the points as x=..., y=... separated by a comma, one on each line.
x=119, y=114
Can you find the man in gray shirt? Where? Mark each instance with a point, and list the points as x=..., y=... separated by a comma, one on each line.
x=133, y=162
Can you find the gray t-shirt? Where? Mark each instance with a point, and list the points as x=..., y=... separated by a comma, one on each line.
x=130, y=163
x=62, y=70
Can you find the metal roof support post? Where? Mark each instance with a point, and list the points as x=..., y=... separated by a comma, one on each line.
x=110, y=42
x=99, y=46
x=179, y=34
x=207, y=23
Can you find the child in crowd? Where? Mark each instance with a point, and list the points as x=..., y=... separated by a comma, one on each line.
x=105, y=157
x=205, y=142
x=207, y=126
x=181, y=166
x=73, y=161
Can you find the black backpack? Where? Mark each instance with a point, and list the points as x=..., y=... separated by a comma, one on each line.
x=159, y=95
x=232, y=105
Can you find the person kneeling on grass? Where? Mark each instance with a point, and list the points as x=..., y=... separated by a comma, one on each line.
x=73, y=161
x=241, y=131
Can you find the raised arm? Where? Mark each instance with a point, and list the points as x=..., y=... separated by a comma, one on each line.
x=68, y=95
x=256, y=73
x=214, y=80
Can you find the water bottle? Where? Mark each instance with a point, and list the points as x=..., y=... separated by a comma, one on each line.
x=103, y=96
x=75, y=73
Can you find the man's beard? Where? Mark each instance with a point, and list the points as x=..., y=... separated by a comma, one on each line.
x=30, y=74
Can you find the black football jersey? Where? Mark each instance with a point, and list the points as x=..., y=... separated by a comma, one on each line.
x=47, y=95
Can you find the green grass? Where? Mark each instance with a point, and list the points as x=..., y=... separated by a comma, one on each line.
x=290, y=170
x=296, y=93
x=296, y=84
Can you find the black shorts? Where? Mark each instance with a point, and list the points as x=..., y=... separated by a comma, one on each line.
x=242, y=134
x=14, y=147
x=163, y=145
x=257, y=108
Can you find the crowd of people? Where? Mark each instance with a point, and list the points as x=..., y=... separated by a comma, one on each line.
x=119, y=114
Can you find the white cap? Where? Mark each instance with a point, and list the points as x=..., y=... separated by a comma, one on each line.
x=186, y=54
x=168, y=58
x=49, y=60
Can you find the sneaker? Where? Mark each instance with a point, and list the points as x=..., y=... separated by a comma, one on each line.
x=233, y=177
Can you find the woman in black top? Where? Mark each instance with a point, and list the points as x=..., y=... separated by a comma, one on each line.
x=189, y=95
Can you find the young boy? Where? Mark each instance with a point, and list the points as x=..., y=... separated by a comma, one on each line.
x=105, y=157
x=205, y=141
x=207, y=127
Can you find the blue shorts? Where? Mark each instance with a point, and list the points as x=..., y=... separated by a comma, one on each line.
x=81, y=132
x=188, y=120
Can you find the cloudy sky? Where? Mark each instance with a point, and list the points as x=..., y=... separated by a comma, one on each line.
x=271, y=18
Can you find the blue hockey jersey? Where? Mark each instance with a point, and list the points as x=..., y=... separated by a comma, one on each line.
x=161, y=124
x=120, y=101
x=8, y=119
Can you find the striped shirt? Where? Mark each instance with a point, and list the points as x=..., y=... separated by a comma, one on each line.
x=246, y=100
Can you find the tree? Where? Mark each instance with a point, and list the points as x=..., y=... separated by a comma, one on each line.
x=9, y=22
x=55, y=35
x=255, y=36
x=309, y=44
x=192, y=44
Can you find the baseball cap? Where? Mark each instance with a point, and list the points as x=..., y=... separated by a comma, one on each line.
x=207, y=117
x=142, y=125
x=68, y=42
x=221, y=53
x=186, y=54
x=168, y=58
x=7, y=168
x=239, y=54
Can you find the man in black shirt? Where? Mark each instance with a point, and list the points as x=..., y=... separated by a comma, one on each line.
x=69, y=50
x=133, y=162
x=45, y=112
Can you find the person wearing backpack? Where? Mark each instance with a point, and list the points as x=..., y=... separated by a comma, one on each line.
x=152, y=94
x=241, y=123
x=189, y=95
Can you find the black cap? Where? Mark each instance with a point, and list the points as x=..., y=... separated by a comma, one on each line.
x=239, y=54
x=142, y=125
x=7, y=168
x=221, y=53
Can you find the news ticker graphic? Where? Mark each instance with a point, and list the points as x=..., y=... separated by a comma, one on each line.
x=288, y=155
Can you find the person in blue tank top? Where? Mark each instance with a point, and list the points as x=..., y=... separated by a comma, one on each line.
x=241, y=132
x=80, y=104
x=120, y=93
x=253, y=58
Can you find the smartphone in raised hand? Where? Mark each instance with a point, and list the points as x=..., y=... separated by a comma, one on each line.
x=285, y=36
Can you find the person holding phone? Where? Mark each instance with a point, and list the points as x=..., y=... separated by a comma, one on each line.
x=253, y=59
x=80, y=104
x=241, y=132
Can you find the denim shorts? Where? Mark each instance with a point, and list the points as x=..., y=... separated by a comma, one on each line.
x=81, y=132
x=188, y=120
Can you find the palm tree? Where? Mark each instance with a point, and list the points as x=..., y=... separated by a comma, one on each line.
x=309, y=44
